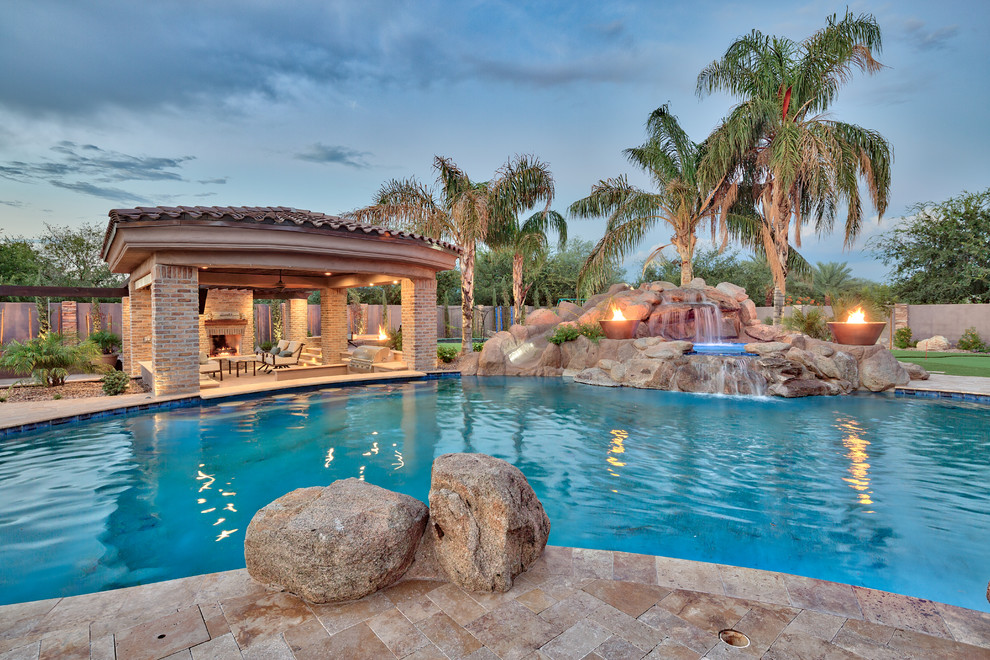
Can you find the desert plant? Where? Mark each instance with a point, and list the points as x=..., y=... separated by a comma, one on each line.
x=477, y=346
x=48, y=358
x=902, y=338
x=446, y=353
x=108, y=342
x=115, y=382
x=563, y=333
x=811, y=322
x=972, y=341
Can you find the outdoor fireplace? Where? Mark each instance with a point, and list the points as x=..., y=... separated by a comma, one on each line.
x=225, y=335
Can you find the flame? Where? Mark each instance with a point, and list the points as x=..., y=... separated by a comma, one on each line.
x=617, y=315
x=381, y=332
x=856, y=316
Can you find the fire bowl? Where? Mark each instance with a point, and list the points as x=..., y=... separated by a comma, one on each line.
x=620, y=329
x=857, y=334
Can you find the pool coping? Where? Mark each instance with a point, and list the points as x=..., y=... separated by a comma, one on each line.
x=595, y=599
x=113, y=409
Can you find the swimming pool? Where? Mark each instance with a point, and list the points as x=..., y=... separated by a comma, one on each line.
x=871, y=490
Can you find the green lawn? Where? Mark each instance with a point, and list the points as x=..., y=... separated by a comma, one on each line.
x=953, y=364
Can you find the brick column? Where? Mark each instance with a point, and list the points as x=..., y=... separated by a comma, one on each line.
x=70, y=319
x=125, y=337
x=419, y=323
x=297, y=318
x=139, y=328
x=333, y=319
x=175, y=329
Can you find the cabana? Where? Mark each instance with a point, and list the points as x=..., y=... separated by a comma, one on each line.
x=182, y=260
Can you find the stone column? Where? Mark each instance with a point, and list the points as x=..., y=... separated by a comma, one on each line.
x=297, y=318
x=125, y=336
x=139, y=328
x=70, y=319
x=333, y=319
x=419, y=323
x=175, y=329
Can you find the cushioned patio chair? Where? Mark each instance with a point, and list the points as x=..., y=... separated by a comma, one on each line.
x=288, y=353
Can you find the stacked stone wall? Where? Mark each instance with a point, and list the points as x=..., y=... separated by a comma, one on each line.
x=297, y=319
x=333, y=320
x=419, y=323
x=70, y=318
x=174, y=320
x=139, y=328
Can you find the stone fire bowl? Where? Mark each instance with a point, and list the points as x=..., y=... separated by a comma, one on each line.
x=857, y=334
x=620, y=329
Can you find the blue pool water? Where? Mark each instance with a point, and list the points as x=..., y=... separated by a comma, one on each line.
x=871, y=490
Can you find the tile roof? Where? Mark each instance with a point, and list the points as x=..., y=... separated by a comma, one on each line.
x=271, y=215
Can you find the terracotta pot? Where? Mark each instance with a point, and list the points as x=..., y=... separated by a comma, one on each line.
x=620, y=329
x=109, y=359
x=857, y=334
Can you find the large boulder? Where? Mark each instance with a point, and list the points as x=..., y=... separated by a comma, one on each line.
x=542, y=317
x=579, y=354
x=936, y=343
x=492, y=359
x=568, y=311
x=881, y=371
x=765, y=332
x=340, y=542
x=488, y=525
x=915, y=371
x=600, y=377
x=730, y=289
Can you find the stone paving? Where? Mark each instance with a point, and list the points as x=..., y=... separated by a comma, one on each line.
x=573, y=603
x=943, y=383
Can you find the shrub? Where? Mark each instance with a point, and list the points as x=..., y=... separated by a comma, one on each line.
x=972, y=341
x=108, y=342
x=563, y=333
x=811, y=322
x=394, y=339
x=902, y=338
x=266, y=345
x=115, y=382
x=48, y=358
x=56, y=396
x=477, y=346
x=446, y=353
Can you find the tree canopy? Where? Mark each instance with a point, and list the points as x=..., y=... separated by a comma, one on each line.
x=939, y=253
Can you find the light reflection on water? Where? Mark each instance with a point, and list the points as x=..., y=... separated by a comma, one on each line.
x=862, y=489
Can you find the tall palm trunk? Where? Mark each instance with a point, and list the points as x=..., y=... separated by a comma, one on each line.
x=518, y=292
x=467, y=298
x=684, y=242
x=775, y=229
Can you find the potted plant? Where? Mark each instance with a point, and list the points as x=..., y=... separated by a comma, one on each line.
x=109, y=344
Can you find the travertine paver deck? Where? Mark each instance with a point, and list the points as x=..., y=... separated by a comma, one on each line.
x=572, y=603
x=943, y=383
x=32, y=412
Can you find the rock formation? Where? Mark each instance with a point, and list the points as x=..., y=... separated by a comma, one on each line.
x=936, y=343
x=336, y=543
x=488, y=525
x=785, y=364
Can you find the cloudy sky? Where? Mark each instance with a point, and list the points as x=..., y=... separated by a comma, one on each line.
x=107, y=104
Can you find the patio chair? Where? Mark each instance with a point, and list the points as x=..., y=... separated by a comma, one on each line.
x=287, y=356
x=208, y=366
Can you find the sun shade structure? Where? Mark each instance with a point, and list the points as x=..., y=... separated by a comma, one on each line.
x=175, y=255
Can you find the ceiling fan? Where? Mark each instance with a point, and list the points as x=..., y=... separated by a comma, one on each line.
x=280, y=285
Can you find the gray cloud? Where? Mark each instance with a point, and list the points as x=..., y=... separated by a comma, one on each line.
x=924, y=38
x=216, y=182
x=335, y=153
x=113, y=194
x=14, y=203
x=90, y=160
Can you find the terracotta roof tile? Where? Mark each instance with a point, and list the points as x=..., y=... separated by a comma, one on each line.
x=274, y=215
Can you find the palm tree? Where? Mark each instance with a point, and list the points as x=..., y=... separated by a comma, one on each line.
x=799, y=164
x=462, y=211
x=527, y=243
x=671, y=159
